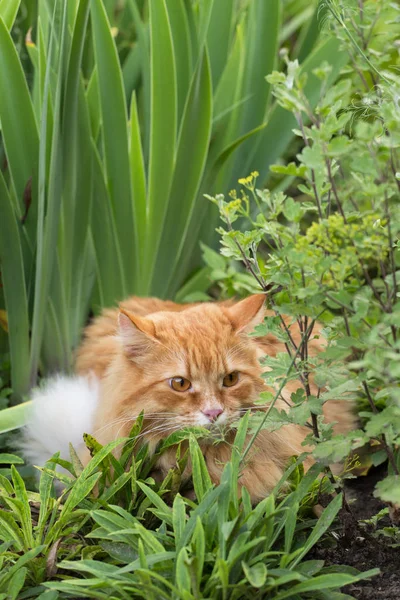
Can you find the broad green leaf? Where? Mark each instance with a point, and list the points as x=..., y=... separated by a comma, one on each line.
x=389, y=489
x=256, y=575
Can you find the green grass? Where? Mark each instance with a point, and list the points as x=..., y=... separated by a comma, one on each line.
x=136, y=538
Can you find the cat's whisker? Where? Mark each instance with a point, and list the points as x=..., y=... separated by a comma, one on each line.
x=158, y=429
x=256, y=406
x=130, y=418
x=111, y=424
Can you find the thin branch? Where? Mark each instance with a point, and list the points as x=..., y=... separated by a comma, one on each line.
x=313, y=179
x=278, y=393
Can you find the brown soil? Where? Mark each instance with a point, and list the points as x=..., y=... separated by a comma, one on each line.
x=357, y=548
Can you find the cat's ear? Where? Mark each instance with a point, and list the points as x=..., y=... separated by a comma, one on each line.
x=246, y=314
x=137, y=334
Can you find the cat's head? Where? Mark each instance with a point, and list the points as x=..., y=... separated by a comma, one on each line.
x=194, y=367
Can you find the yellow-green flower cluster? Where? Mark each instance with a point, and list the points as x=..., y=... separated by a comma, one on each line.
x=250, y=181
x=352, y=245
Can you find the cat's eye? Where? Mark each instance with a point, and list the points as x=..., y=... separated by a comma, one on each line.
x=231, y=379
x=180, y=384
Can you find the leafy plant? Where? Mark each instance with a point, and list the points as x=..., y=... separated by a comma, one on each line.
x=329, y=252
x=126, y=114
x=134, y=538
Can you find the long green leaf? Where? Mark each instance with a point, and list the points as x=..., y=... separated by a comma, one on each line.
x=227, y=98
x=275, y=138
x=8, y=11
x=262, y=49
x=50, y=194
x=76, y=149
x=108, y=259
x=219, y=36
x=143, y=38
x=138, y=178
x=262, y=36
x=13, y=278
x=324, y=582
x=182, y=50
x=162, y=133
x=190, y=162
x=115, y=137
x=14, y=417
x=25, y=516
x=19, y=129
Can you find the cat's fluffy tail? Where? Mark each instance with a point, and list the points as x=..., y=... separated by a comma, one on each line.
x=62, y=411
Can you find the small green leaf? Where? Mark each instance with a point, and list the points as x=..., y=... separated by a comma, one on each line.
x=256, y=575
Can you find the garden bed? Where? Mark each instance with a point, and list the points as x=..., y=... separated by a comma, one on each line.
x=357, y=548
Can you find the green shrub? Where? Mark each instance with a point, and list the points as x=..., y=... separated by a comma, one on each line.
x=329, y=252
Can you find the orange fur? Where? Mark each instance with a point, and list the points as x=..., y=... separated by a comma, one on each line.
x=157, y=340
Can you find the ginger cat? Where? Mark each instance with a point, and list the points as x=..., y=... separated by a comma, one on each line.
x=193, y=364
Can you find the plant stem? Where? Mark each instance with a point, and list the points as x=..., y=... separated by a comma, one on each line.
x=313, y=179
x=282, y=385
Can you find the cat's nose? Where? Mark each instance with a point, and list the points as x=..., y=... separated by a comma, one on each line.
x=212, y=413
